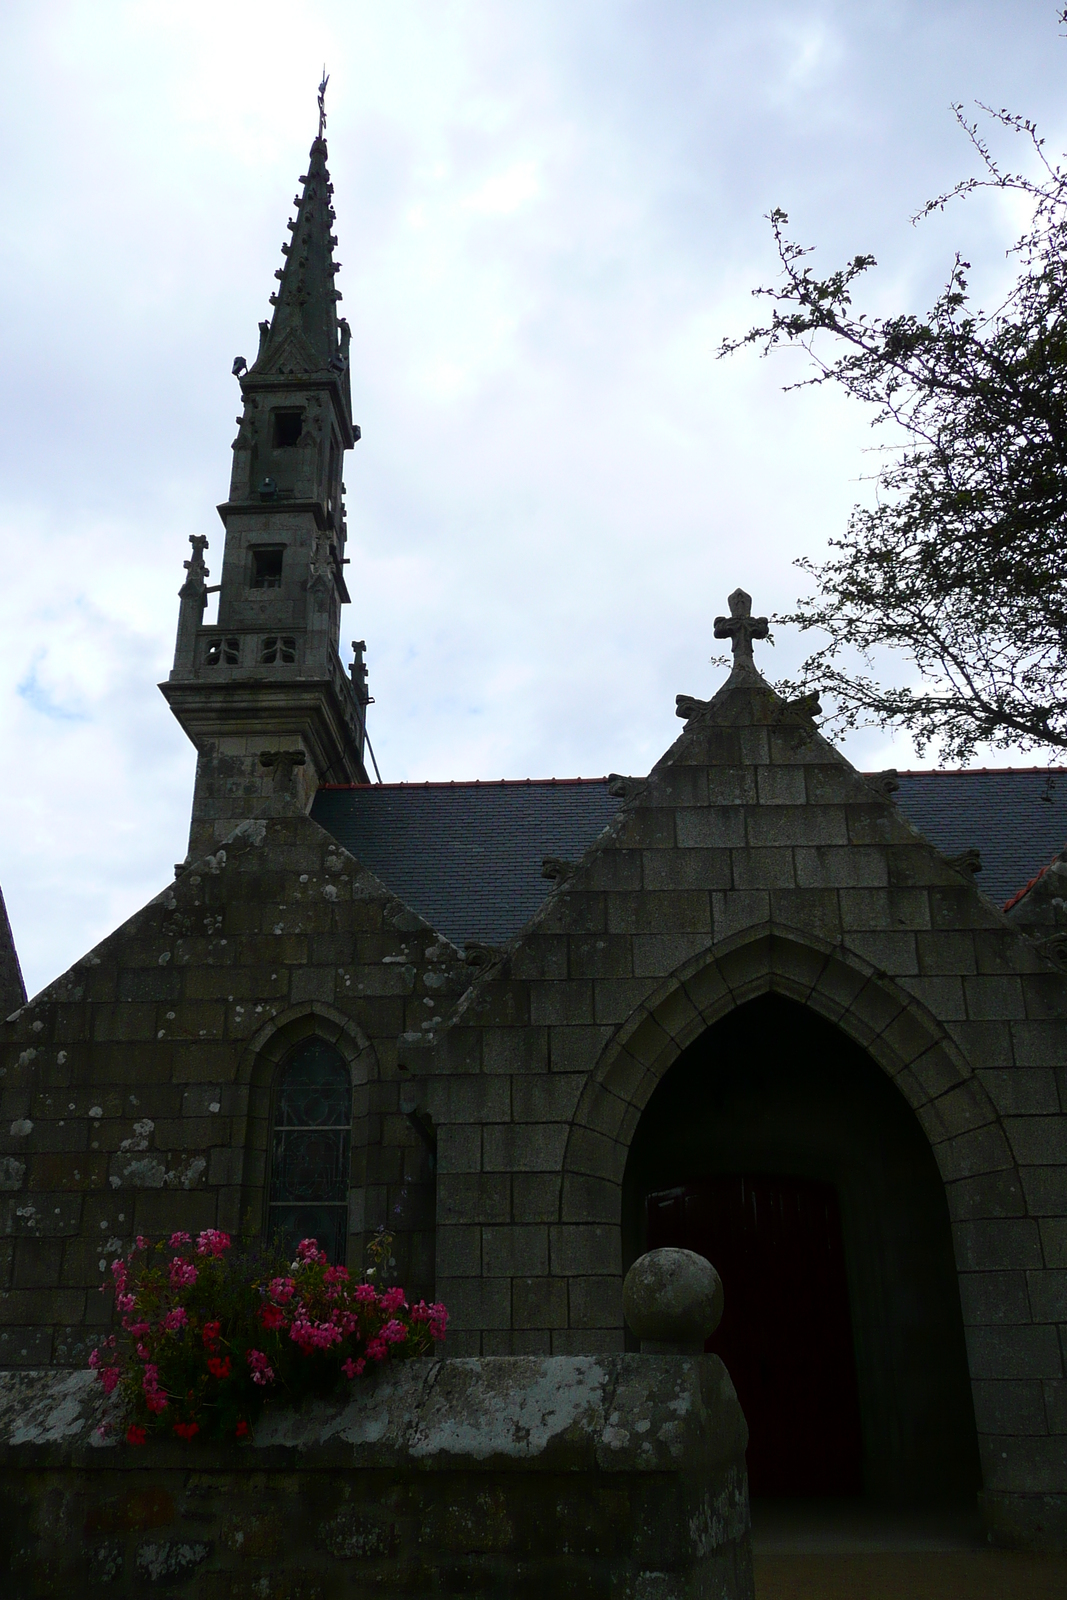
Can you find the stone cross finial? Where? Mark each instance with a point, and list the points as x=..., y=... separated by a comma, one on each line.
x=741, y=627
x=194, y=586
x=322, y=102
x=196, y=565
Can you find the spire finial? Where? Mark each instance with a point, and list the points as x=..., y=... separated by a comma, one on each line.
x=322, y=100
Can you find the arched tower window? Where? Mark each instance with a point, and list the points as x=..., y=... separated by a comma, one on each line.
x=310, y=1142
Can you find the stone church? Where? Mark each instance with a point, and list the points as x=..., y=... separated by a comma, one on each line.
x=755, y=1003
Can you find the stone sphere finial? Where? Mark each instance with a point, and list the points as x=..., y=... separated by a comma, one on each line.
x=672, y=1299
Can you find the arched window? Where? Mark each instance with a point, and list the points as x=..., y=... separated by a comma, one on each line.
x=310, y=1150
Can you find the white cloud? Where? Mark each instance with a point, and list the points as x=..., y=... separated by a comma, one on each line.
x=506, y=192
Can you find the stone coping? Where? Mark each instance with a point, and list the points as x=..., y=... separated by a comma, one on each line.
x=618, y=1413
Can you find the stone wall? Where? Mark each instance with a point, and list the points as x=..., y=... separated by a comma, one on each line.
x=135, y=1091
x=616, y=1478
x=495, y=1111
x=755, y=859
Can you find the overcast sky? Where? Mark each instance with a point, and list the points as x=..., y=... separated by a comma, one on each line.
x=549, y=215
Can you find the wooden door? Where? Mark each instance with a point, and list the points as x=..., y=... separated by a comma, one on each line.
x=786, y=1332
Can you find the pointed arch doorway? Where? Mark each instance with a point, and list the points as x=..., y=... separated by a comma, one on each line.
x=779, y=1149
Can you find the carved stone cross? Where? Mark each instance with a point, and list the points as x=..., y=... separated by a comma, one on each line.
x=741, y=627
x=196, y=564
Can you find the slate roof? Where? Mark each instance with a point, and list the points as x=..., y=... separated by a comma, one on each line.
x=1016, y=817
x=467, y=856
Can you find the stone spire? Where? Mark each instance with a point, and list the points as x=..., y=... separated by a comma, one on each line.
x=304, y=334
x=12, y=988
x=262, y=693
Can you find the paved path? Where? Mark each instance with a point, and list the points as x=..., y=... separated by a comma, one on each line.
x=852, y=1550
x=926, y=1575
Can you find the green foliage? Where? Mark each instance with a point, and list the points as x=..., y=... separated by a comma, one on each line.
x=962, y=563
x=210, y=1334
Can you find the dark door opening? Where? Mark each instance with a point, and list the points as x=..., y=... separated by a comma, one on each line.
x=842, y=1280
x=786, y=1332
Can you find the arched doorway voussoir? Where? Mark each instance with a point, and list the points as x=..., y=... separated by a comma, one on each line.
x=897, y=1030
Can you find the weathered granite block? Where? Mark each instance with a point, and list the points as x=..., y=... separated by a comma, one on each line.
x=611, y=1476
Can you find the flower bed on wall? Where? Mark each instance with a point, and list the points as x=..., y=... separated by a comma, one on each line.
x=211, y=1333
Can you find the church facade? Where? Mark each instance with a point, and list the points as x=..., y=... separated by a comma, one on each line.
x=741, y=1004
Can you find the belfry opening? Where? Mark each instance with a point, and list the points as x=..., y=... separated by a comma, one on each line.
x=776, y=1147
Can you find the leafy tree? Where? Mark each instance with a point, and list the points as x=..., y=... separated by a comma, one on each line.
x=962, y=562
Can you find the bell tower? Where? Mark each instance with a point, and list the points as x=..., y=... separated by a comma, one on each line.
x=262, y=694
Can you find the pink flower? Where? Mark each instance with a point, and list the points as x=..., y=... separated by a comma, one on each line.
x=178, y=1318
x=94, y=1359
x=137, y=1330
x=141, y=1243
x=281, y=1290
x=314, y=1336
x=109, y=1377
x=212, y=1243
x=393, y=1299
x=334, y=1275
x=394, y=1332
x=377, y=1350
x=179, y=1238
x=309, y=1253
x=118, y=1272
x=262, y=1371
x=352, y=1369
x=271, y=1317
x=366, y=1294
x=125, y=1302
x=156, y=1401
x=182, y=1275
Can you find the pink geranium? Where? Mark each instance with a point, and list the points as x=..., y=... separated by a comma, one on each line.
x=262, y=1372
x=205, y=1332
x=308, y=1251
x=212, y=1243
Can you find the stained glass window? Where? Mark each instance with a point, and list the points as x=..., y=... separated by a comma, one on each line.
x=310, y=1150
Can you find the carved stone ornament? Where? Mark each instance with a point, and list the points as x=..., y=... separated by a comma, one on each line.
x=476, y=954
x=687, y=706
x=887, y=783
